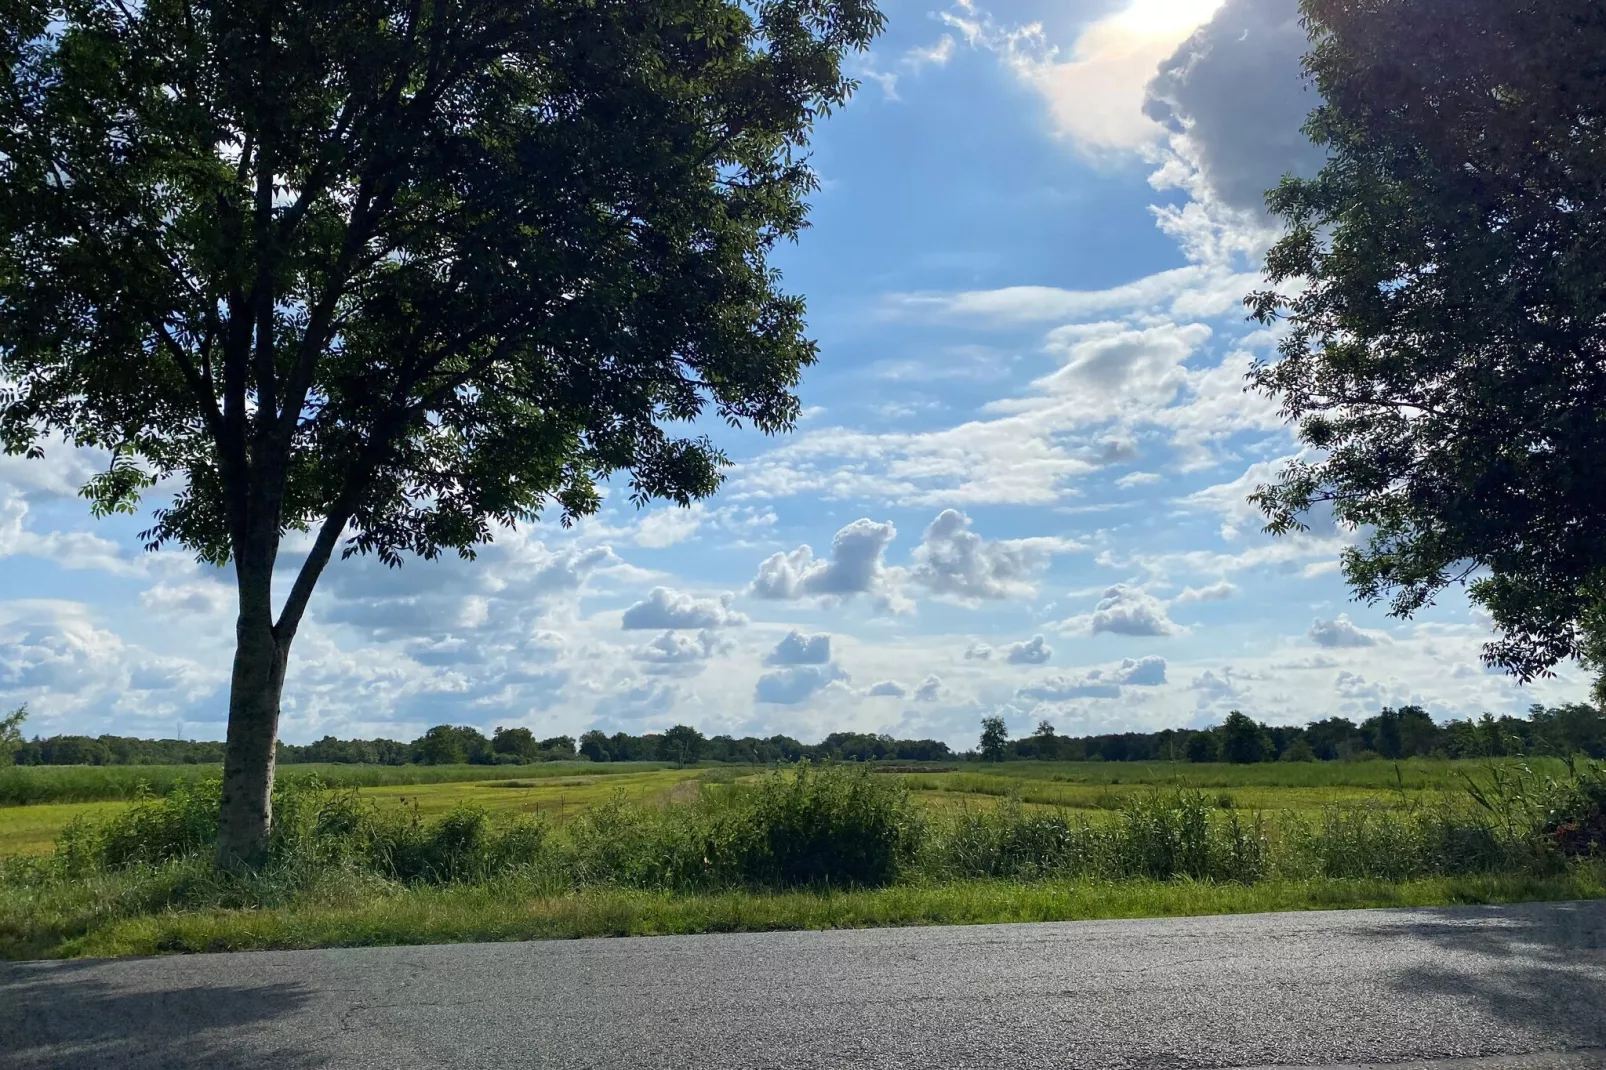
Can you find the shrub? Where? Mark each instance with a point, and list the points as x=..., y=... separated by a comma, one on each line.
x=830, y=825
x=1575, y=819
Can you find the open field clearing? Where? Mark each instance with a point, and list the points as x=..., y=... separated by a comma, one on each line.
x=21, y=785
x=32, y=830
x=558, y=791
x=733, y=848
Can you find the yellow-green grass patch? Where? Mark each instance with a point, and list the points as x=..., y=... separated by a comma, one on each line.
x=32, y=830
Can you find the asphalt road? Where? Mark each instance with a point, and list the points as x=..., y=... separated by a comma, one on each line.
x=1518, y=988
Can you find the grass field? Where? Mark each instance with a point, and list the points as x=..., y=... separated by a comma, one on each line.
x=559, y=790
x=25, y=785
x=595, y=850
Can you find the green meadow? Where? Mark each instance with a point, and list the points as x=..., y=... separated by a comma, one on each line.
x=613, y=849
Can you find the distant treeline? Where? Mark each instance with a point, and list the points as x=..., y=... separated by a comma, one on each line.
x=1393, y=733
x=1407, y=732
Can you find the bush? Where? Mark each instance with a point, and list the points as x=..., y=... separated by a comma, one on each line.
x=829, y=825
x=1575, y=821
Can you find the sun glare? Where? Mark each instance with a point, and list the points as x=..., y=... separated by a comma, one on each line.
x=1165, y=18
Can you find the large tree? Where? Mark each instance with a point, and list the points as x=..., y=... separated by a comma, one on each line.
x=1444, y=284
x=396, y=273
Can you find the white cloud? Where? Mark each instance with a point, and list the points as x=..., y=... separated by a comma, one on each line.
x=1029, y=449
x=799, y=649
x=55, y=657
x=930, y=690
x=67, y=549
x=667, y=609
x=887, y=689
x=199, y=598
x=856, y=566
x=1192, y=291
x=952, y=560
x=789, y=686
x=1098, y=683
x=1215, y=592
x=978, y=651
x=1342, y=633
x=1124, y=610
x=666, y=527
x=936, y=54
x=1034, y=651
x=678, y=648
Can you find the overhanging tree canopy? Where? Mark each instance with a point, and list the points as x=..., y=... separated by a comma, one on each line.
x=396, y=272
x=1446, y=357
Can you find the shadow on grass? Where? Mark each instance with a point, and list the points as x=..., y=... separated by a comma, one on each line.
x=1538, y=969
x=62, y=1014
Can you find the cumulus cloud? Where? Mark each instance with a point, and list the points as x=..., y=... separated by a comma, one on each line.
x=857, y=565
x=978, y=651
x=1342, y=633
x=1033, y=651
x=791, y=685
x=930, y=690
x=54, y=657
x=1098, y=683
x=1216, y=592
x=676, y=610
x=1144, y=672
x=201, y=598
x=1234, y=98
x=799, y=649
x=954, y=561
x=673, y=648
x=1124, y=610
x=887, y=689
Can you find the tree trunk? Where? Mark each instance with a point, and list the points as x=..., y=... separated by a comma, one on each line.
x=246, y=815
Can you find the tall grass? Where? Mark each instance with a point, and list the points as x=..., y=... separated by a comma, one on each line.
x=22, y=785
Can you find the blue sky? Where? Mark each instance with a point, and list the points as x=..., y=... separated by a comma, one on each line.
x=1018, y=486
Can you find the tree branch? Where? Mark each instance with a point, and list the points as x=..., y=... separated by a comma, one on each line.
x=199, y=380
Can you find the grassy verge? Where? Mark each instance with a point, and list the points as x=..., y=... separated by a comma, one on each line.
x=506, y=911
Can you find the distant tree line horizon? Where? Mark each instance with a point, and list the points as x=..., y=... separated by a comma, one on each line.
x=1405, y=732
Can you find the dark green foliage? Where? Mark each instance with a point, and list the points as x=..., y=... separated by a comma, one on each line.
x=682, y=745
x=347, y=752
x=1243, y=741
x=1298, y=751
x=594, y=746
x=557, y=748
x=994, y=738
x=448, y=745
x=830, y=825
x=1203, y=747
x=516, y=743
x=1443, y=357
x=1575, y=824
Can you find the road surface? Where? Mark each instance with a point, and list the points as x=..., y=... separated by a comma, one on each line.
x=1516, y=988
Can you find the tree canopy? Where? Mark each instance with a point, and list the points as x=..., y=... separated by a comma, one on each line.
x=1443, y=280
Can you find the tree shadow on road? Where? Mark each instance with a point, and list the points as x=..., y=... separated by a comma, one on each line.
x=60, y=1014
x=1538, y=969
